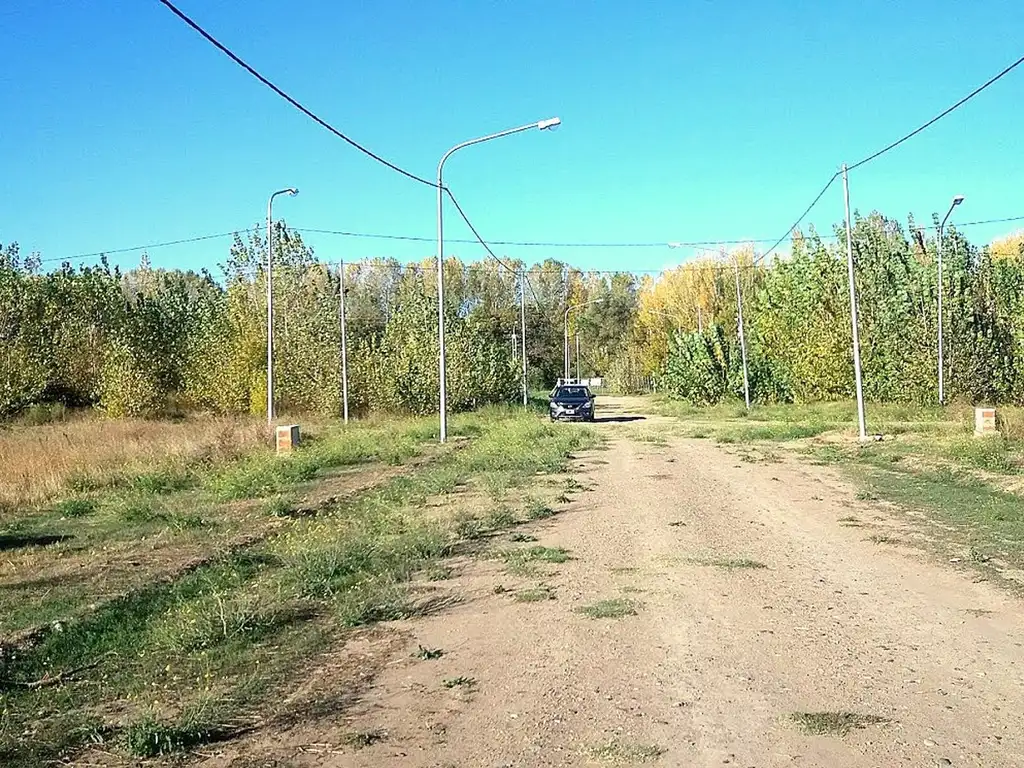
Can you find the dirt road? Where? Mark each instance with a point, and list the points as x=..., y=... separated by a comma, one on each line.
x=714, y=656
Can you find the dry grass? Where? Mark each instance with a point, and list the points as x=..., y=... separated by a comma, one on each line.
x=41, y=462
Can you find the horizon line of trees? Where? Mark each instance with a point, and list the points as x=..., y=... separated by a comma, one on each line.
x=147, y=341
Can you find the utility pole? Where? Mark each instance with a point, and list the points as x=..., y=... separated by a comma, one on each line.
x=515, y=346
x=743, y=340
x=700, y=320
x=853, y=308
x=522, y=318
x=344, y=341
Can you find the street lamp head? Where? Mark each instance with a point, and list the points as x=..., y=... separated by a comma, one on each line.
x=292, y=191
x=958, y=199
x=551, y=122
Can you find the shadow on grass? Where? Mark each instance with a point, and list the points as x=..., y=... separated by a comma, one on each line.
x=21, y=540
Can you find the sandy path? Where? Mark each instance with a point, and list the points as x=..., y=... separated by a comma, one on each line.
x=715, y=660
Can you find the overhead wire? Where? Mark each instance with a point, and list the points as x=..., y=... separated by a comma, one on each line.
x=892, y=146
x=487, y=248
x=789, y=232
x=294, y=102
x=939, y=116
x=150, y=246
x=313, y=116
x=513, y=243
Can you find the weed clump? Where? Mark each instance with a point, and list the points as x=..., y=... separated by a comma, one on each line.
x=615, y=608
x=834, y=723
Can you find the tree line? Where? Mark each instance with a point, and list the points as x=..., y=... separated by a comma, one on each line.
x=147, y=341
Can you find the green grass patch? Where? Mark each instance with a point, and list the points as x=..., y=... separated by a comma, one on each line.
x=730, y=422
x=139, y=510
x=151, y=737
x=834, y=723
x=540, y=593
x=75, y=507
x=538, y=510
x=523, y=561
x=613, y=608
x=280, y=506
x=166, y=480
x=621, y=752
x=993, y=454
x=501, y=518
x=729, y=563
x=987, y=517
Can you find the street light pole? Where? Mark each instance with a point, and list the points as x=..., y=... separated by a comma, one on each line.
x=344, y=343
x=541, y=125
x=270, y=299
x=566, y=326
x=743, y=338
x=942, y=392
x=522, y=318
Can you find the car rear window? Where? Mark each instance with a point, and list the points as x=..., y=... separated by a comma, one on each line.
x=573, y=392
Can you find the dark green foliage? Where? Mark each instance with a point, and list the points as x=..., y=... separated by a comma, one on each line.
x=698, y=366
x=75, y=507
x=151, y=342
x=797, y=323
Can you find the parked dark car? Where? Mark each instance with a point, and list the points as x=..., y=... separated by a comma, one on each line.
x=571, y=402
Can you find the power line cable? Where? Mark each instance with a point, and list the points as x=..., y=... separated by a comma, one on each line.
x=516, y=243
x=892, y=146
x=939, y=116
x=789, y=232
x=487, y=248
x=150, y=246
x=309, y=113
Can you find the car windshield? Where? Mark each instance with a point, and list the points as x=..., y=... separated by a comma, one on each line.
x=573, y=392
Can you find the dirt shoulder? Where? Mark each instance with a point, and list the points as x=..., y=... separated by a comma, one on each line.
x=738, y=600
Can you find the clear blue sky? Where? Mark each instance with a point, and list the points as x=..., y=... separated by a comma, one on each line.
x=682, y=120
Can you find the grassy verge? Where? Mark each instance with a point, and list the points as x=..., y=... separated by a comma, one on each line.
x=113, y=538
x=200, y=656
x=732, y=423
x=928, y=462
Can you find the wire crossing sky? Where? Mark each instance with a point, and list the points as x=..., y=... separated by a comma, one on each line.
x=129, y=128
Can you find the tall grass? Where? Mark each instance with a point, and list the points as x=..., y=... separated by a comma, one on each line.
x=43, y=462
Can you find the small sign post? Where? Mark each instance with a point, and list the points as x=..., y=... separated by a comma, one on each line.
x=985, y=422
x=287, y=438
